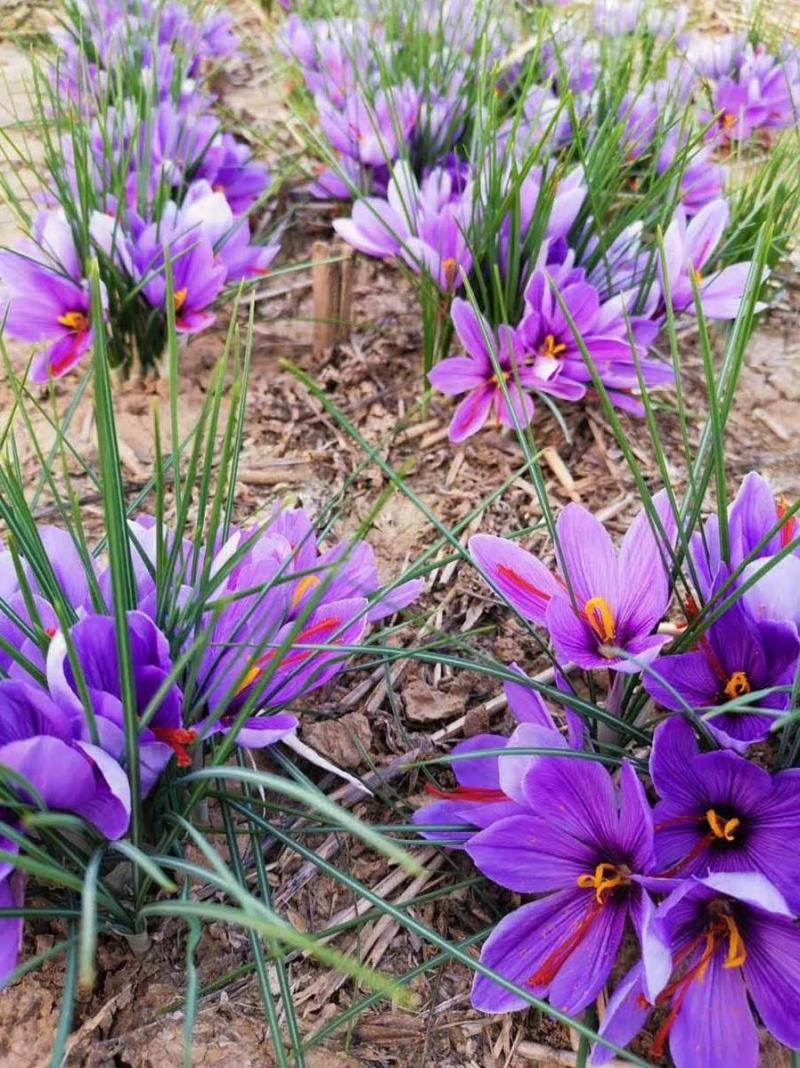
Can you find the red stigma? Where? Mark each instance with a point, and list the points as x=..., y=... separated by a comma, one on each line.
x=553, y=963
x=789, y=528
x=177, y=738
x=466, y=793
x=512, y=576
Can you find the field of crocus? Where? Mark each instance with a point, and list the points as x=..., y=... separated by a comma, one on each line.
x=399, y=546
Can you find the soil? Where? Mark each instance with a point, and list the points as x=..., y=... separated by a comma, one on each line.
x=294, y=451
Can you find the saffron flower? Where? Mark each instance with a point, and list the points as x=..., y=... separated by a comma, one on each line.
x=601, y=606
x=720, y=812
x=735, y=944
x=93, y=639
x=735, y=656
x=424, y=223
x=198, y=276
x=586, y=846
x=753, y=517
x=687, y=249
x=489, y=787
x=39, y=745
x=46, y=297
x=475, y=375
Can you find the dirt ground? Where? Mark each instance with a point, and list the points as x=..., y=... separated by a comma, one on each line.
x=293, y=450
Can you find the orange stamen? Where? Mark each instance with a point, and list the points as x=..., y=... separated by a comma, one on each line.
x=449, y=267
x=177, y=738
x=74, y=320
x=179, y=298
x=606, y=877
x=550, y=348
x=600, y=617
x=719, y=829
x=737, y=685
x=302, y=588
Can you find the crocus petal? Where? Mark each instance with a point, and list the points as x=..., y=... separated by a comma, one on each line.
x=689, y=675
x=517, y=575
x=523, y=701
x=258, y=732
x=528, y=855
x=722, y=292
x=625, y=1016
x=715, y=1025
x=586, y=971
x=513, y=769
x=587, y=558
x=772, y=974
x=704, y=232
x=519, y=945
x=471, y=414
x=457, y=375
x=473, y=331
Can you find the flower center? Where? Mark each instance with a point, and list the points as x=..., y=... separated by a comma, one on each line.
x=605, y=880
x=728, y=120
x=303, y=586
x=721, y=828
x=600, y=617
x=550, y=348
x=177, y=738
x=737, y=685
x=74, y=320
x=179, y=298
x=607, y=877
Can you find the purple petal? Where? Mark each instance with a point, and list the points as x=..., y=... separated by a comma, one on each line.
x=772, y=974
x=457, y=374
x=626, y=1015
x=517, y=575
x=471, y=413
x=587, y=558
x=530, y=856
x=715, y=1025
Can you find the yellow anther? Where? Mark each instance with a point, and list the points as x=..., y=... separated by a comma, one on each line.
x=606, y=877
x=74, y=320
x=719, y=829
x=600, y=618
x=249, y=678
x=302, y=588
x=179, y=298
x=737, y=685
x=737, y=954
x=550, y=348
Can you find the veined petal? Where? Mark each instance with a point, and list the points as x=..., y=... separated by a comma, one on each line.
x=517, y=575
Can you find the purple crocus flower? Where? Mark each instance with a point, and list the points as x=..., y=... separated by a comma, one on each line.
x=599, y=600
x=232, y=171
x=754, y=513
x=370, y=131
x=585, y=845
x=209, y=212
x=46, y=297
x=720, y=812
x=424, y=223
x=602, y=328
x=735, y=942
x=475, y=375
x=735, y=656
x=198, y=275
x=489, y=787
x=94, y=641
x=38, y=743
x=687, y=249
